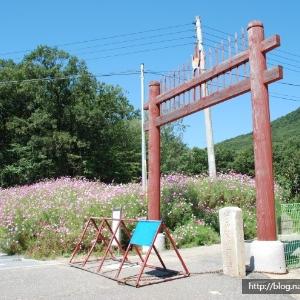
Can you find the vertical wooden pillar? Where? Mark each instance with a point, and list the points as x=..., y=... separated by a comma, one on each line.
x=262, y=140
x=154, y=154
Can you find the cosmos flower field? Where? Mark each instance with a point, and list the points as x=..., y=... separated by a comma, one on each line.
x=45, y=219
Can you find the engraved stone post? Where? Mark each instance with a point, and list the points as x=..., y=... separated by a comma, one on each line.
x=116, y=215
x=232, y=241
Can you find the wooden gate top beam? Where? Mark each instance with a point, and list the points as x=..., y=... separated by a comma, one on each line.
x=237, y=60
x=232, y=91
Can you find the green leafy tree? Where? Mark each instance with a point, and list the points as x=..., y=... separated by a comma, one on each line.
x=196, y=161
x=174, y=153
x=287, y=168
x=68, y=125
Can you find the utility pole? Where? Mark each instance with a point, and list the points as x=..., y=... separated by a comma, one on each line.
x=144, y=162
x=207, y=116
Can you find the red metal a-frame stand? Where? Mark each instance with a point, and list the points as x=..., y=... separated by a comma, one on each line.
x=145, y=234
x=102, y=234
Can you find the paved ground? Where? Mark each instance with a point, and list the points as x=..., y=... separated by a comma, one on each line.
x=29, y=279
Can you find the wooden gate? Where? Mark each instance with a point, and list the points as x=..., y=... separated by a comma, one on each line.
x=163, y=109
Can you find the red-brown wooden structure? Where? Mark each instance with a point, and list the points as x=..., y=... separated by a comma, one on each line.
x=171, y=105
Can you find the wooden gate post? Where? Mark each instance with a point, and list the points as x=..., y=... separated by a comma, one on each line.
x=262, y=140
x=154, y=154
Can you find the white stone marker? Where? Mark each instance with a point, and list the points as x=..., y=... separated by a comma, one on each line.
x=232, y=241
x=116, y=215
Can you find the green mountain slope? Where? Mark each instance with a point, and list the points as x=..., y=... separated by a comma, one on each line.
x=284, y=128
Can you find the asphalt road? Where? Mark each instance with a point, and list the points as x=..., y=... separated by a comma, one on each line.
x=30, y=279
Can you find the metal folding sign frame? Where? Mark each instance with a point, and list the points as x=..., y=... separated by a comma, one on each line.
x=99, y=237
x=145, y=234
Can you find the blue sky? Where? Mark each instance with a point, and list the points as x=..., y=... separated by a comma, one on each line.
x=26, y=24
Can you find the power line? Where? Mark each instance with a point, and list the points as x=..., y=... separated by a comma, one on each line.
x=103, y=38
x=284, y=57
x=218, y=30
x=235, y=42
x=139, y=51
x=289, y=83
x=74, y=76
x=137, y=45
x=126, y=41
x=285, y=95
x=284, y=63
x=134, y=40
x=288, y=52
x=284, y=98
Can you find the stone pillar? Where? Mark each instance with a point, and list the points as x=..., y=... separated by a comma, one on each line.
x=116, y=215
x=232, y=241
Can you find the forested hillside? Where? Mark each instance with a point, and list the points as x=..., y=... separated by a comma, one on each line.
x=286, y=153
x=283, y=129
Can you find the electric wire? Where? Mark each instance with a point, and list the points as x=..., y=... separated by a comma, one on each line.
x=133, y=52
x=102, y=38
x=284, y=57
x=73, y=76
x=284, y=98
x=217, y=30
x=138, y=51
x=285, y=95
x=134, y=40
x=283, y=63
x=125, y=42
x=288, y=52
x=137, y=45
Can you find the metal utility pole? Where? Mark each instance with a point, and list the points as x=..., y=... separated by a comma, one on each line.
x=207, y=116
x=144, y=162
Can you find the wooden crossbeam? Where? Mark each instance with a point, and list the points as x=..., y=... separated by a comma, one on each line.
x=229, y=64
x=232, y=91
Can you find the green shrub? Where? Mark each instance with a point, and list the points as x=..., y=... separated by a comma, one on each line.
x=176, y=213
x=192, y=234
x=249, y=218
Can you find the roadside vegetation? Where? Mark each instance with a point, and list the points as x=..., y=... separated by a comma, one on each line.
x=45, y=219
